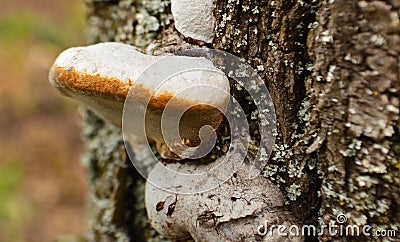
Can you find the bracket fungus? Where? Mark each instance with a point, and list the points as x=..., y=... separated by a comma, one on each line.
x=194, y=18
x=240, y=209
x=103, y=76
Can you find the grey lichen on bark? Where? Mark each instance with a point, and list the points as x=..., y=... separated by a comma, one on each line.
x=108, y=170
x=128, y=21
x=272, y=37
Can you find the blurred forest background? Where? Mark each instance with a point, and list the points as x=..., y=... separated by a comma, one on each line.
x=42, y=183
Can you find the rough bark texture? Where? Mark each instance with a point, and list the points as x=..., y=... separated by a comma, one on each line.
x=345, y=133
x=116, y=190
x=355, y=90
x=332, y=68
x=272, y=37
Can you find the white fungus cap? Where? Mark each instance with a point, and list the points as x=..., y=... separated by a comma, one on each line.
x=101, y=76
x=120, y=61
x=194, y=18
x=122, y=64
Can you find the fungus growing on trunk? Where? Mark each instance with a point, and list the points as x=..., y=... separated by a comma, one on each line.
x=223, y=200
x=101, y=76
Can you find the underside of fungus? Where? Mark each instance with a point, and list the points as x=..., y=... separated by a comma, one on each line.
x=101, y=76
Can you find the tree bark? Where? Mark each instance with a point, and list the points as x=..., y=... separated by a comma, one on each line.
x=332, y=69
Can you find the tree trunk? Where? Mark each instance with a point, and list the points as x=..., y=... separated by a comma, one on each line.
x=332, y=69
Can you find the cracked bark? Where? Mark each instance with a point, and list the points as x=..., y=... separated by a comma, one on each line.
x=332, y=68
x=357, y=105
